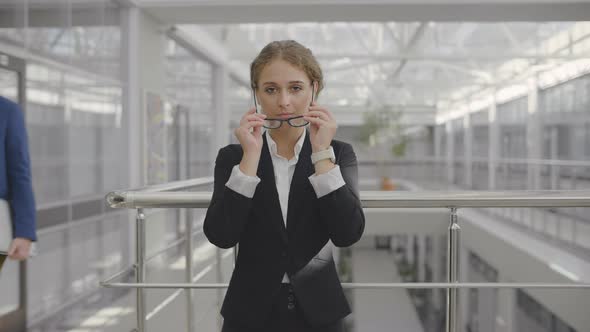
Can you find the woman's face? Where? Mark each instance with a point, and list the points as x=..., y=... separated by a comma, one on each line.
x=284, y=91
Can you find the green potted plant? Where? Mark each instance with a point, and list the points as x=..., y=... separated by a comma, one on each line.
x=382, y=130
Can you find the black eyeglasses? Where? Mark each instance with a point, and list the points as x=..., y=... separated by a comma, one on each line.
x=296, y=121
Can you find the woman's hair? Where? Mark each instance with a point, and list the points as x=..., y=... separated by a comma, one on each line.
x=291, y=52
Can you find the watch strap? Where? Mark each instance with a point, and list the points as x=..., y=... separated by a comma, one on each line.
x=324, y=154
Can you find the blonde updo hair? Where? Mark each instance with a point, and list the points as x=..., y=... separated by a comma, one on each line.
x=291, y=52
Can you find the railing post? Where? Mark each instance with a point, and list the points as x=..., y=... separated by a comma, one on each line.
x=140, y=269
x=189, y=269
x=452, y=317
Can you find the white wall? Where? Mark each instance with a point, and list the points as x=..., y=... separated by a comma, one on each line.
x=522, y=258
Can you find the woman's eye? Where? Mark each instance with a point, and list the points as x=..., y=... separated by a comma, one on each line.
x=296, y=88
x=270, y=90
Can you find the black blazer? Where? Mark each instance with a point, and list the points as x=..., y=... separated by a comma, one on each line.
x=267, y=249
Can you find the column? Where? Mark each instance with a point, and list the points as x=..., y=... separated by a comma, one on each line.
x=220, y=109
x=493, y=143
x=533, y=136
x=437, y=143
x=468, y=150
x=450, y=152
x=143, y=46
x=421, y=256
x=506, y=309
x=131, y=117
x=410, y=249
x=437, y=275
x=554, y=156
x=438, y=153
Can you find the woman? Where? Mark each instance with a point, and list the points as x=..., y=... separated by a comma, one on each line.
x=282, y=195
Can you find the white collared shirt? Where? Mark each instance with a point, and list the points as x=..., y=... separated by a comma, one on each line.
x=322, y=184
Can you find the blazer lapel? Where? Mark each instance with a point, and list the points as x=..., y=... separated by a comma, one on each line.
x=300, y=186
x=271, y=204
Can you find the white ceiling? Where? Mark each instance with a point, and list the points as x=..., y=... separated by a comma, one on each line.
x=372, y=57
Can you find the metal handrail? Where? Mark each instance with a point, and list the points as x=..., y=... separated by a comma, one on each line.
x=154, y=198
x=542, y=162
x=360, y=285
x=380, y=199
x=523, y=161
x=140, y=253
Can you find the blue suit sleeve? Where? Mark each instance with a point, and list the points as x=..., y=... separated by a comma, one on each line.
x=18, y=166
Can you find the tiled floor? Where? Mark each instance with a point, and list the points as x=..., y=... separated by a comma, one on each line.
x=378, y=309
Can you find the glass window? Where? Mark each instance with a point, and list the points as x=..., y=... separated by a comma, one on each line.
x=189, y=84
x=14, y=18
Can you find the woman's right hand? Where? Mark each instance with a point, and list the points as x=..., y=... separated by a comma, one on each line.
x=249, y=134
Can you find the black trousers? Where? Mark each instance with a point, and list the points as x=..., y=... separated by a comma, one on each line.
x=286, y=316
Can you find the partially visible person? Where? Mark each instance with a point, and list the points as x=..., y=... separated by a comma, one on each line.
x=15, y=179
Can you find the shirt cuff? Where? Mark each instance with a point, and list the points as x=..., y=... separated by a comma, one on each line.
x=326, y=183
x=241, y=183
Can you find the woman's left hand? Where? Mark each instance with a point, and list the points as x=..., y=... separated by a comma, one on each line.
x=322, y=127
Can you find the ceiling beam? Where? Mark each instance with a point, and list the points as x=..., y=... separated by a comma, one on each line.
x=464, y=32
x=362, y=40
x=253, y=11
x=485, y=76
x=198, y=42
x=515, y=77
x=52, y=16
x=433, y=63
x=455, y=57
x=477, y=56
x=394, y=35
x=418, y=34
x=514, y=43
x=365, y=60
x=424, y=84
